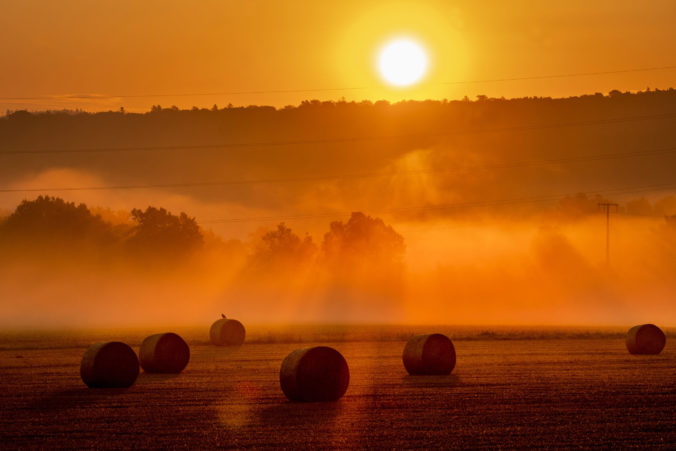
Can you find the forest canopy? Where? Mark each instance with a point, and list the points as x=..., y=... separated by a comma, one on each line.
x=409, y=159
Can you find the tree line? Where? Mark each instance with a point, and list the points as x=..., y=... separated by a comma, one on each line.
x=51, y=224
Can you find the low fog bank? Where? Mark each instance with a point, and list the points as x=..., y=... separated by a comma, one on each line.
x=70, y=266
x=519, y=272
x=62, y=338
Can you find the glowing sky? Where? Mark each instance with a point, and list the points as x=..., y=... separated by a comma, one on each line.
x=258, y=51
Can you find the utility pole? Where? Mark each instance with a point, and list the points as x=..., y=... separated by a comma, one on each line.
x=607, y=206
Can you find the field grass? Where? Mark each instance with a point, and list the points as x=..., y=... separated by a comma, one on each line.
x=511, y=388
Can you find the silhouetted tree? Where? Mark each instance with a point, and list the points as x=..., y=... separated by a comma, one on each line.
x=161, y=233
x=363, y=241
x=282, y=248
x=55, y=221
x=364, y=259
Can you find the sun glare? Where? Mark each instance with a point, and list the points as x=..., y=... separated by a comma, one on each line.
x=402, y=62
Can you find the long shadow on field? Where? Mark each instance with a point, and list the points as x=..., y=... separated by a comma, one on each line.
x=410, y=404
x=73, y=398
x=451, y=380
x=310, y=414
x=149, y=378
x=291, y=424
x=115, y=418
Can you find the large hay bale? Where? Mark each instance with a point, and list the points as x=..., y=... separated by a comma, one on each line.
x=429, y=354
x=111, y=364
x=164, y=353
x=314, y=374
x=227, y=332
x=645, y=339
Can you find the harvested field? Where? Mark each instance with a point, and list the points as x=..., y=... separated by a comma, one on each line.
x=544, y=392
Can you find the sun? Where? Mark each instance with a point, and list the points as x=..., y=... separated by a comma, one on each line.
x=402, y=62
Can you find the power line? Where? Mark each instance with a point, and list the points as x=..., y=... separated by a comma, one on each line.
x=334, y=89
x=229, y=145
x=511, y=165
x=444, y=207
x=607, y=206
x=568, y=75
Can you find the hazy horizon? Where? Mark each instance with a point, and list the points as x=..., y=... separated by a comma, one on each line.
x=199, y=53
x=420, y=224
x=249, y=115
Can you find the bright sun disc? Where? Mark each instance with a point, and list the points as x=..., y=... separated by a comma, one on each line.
x=402, y=62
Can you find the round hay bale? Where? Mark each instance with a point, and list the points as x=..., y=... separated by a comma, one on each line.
x=429, y=354
x=164, y=353
x=111, y=364
x=227, y=332
x=314, y=374
x=645, y=339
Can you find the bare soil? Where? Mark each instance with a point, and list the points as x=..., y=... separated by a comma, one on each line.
x=582, y=392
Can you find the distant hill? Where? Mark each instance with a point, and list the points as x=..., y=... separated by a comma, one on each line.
x=361, y=155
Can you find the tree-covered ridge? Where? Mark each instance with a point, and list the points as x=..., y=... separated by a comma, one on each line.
x=417, y=152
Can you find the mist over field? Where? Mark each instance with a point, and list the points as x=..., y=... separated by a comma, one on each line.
x=475, y=270
x=411, y=224
x=464, y=212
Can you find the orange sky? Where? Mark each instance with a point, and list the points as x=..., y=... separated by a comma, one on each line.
x=132, y=48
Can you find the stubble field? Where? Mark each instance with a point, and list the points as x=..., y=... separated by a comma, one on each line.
x=531, y=390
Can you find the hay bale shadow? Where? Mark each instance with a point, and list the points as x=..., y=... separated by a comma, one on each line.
x=421, y=381
x=74, y=398
x=300, y=414
x=149, y=378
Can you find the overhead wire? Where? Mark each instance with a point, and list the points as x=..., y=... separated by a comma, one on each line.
x=332, y=89
x=445, y=207
x=538, y=199
x=339, y=140
x=349, y=176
